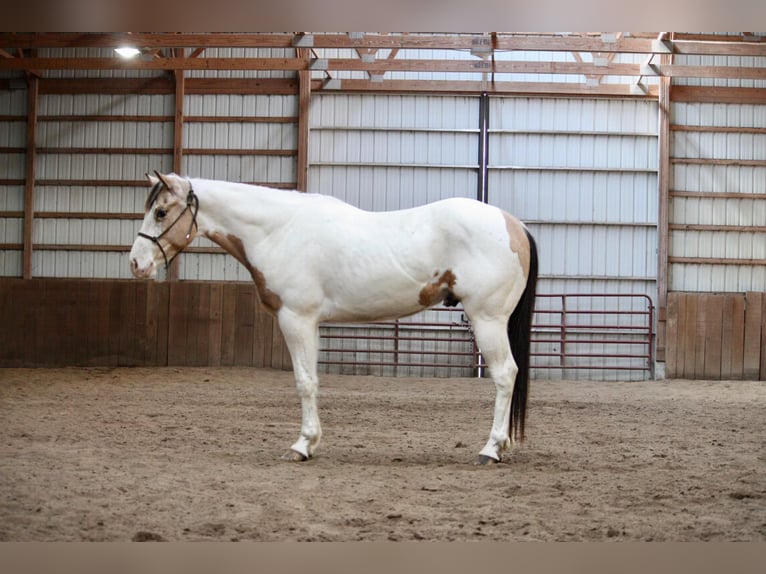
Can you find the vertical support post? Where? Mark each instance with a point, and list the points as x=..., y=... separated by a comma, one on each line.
x=397, y=334
x=482, y=191
x=663, y=177
x=29, y=173
x=563, y=331
x=304, y=105
x=178, y=142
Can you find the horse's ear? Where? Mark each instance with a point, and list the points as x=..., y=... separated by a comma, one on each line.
x=165, y=181
x=152, y=179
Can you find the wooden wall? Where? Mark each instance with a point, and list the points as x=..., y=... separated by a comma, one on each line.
x=716, y=336
x=62, y=322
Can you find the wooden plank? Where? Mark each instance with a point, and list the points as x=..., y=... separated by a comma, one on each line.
x=127, y=325
x=15, y=312
x=76, y=321
x=245, y=325
x=752, y=347
x=228, y=323
x=718, y=95
x=262, y=338
x=163, y=322
x=713, y=339
x=99, y=343
x=193, y=322
x=727, y=322
x=215, y=325
x=700, y=336
x=738, y=337
x=178, y=323
x=203, y=332
x=304, y=106
x=671, y=337
x=688, y=335
x=151, y=322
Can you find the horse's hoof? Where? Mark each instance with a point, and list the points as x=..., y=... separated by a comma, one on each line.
x=294, y=456
x=484, y=460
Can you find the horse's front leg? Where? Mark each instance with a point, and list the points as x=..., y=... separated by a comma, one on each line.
x=302, y=337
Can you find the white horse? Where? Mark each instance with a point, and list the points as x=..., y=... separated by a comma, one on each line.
x=314, y=258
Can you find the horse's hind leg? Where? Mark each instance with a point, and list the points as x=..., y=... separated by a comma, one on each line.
x=302, y=338
x=492, y=338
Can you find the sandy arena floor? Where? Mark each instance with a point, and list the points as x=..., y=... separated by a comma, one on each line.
x=194, y=454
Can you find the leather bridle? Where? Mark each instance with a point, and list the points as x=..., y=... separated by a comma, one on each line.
x=191, y=201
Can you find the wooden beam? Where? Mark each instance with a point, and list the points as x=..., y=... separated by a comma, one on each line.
x=719, y=95
x=716, y=161
x=717, y=195
x=178, y=149
x=33, y=83
x=353, y=64
x=304, y=106
x=163, y=85
x=290, y=87
x=699, y=44
x=663, y=182
x=549, y=42
x=718, y=129
x=729, y=72
x=496, y=88
x=718, y=228
x=716, y=261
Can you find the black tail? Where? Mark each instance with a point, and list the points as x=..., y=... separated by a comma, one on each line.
x=519, y=334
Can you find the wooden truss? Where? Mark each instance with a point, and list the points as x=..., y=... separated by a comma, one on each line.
x=555, y=64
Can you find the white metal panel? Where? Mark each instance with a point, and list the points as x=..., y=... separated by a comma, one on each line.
x=733, y=62
x=248, y=136
x=391, y=152
x=241, y=105
x=100, y=166
x=106, y=104
x=12, y=167
x=715, y=208
x=583, y=174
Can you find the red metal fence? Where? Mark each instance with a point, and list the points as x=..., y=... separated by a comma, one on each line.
x=599, y=332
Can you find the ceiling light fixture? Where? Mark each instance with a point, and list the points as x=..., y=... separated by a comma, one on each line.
x=127, y=51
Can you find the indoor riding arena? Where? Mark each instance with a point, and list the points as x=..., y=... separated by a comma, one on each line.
x=157, y=362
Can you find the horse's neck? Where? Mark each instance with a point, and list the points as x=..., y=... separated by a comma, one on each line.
x=245, y=211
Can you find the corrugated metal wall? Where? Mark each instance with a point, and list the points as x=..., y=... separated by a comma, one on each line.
x=13, y=106
x=716, y=216
x=582, y=173
x=249, y=138
x=74, y=151
x=388, y=152
x=718, y=161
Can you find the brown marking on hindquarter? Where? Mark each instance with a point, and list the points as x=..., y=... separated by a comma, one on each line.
x=518, y=240
x=234, y=246
x=438, y=289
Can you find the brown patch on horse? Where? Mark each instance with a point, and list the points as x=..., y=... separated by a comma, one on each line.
x=438, y=290
x=233, y=245
x=518, y=240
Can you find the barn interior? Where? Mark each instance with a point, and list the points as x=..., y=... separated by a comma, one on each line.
x=636, y=159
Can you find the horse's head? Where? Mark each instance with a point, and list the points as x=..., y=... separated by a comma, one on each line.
x=170, y=224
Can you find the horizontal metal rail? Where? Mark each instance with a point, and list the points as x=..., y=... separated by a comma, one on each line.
x=587, y=334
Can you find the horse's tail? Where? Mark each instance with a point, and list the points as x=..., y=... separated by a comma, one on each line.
x=519, y=334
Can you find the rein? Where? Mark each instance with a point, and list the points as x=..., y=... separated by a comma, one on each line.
x=191, y=200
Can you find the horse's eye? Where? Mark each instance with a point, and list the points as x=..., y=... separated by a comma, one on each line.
x=160, y=213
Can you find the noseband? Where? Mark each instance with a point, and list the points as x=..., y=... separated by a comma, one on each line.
x=191, y=201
